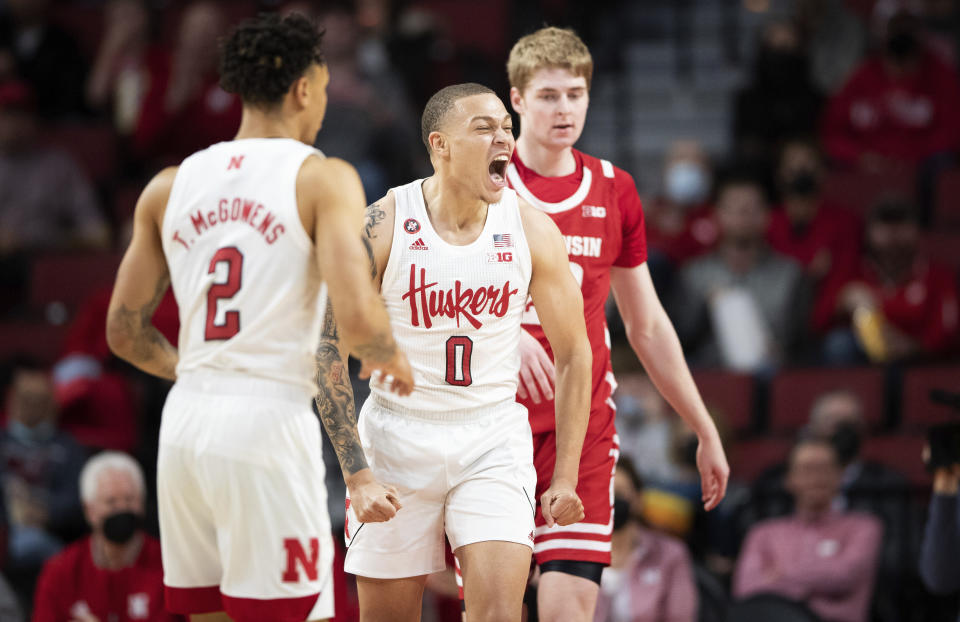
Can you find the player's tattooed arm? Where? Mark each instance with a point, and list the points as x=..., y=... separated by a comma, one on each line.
x=145, y=346
x=335, y=399
x=377, y=349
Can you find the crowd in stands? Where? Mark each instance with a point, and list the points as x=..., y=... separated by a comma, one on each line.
x=811, y=271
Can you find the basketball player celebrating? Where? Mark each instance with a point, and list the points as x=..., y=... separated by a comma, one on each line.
x=456, y=256
x=244, y=231
x=596, y=207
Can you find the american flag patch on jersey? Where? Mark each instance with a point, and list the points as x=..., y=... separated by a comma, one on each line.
x=502, y=240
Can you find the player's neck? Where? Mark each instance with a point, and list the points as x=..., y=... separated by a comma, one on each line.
x=545, y=161
x=451, y=207
x=255, y=124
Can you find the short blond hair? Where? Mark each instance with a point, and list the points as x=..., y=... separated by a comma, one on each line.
x=551, y=47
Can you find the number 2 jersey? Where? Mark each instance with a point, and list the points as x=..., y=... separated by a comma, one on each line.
x=598, y=211
x=242, y=267
x=456, y=310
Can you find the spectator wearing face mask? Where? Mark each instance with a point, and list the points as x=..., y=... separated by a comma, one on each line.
x=650, y=576
x=817, y=555
x=898, y=107
x=781, y=100
x=898, y=304
x=823, y=236
x=114, y=575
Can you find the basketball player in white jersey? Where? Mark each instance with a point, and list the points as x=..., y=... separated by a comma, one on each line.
x=456, y=256
x=244, y=231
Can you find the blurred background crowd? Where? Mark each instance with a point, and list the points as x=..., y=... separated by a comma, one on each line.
x=798, y=165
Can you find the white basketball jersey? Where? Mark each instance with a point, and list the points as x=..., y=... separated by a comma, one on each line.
x=456, y=310
x=243, y=269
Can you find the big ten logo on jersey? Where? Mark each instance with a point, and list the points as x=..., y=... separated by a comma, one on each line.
x=594, y=211
x=235, y=210
x=297, y=560
x=500, y=257
x=530, y=312
x=429, y=302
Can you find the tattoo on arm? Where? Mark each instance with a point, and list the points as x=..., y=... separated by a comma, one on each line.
x=374, y=217
x=149, y=344
x=335, y=399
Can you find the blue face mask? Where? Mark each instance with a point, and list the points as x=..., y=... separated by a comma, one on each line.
x=687, y=184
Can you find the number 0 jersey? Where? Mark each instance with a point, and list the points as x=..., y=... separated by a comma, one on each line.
x=598, y=211
x=456, y=310
x=243, y=269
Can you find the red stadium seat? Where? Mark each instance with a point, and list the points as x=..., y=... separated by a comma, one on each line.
x=901, y=453
x=93, y=146
x=859, y=191
x=730, y=395
x=750, y=458
x=947, y=208
x=69, y=278
x=40, y=340
x=793, y=393
x=917, y=409
x=943, y=246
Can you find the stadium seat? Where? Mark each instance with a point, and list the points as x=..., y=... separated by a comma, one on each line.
x=40, y=340
x=943, y=246
x=793, y=393
x=92, y=146
x=730, y=395
x=917, y=410
x=947, y=208
x=901, y=453
x=70, y=277
x=749, y=458
x=859, y=191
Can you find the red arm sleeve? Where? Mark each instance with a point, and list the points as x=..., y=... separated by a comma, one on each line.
x=46, y=597
x=633, y=251
x=836, y=130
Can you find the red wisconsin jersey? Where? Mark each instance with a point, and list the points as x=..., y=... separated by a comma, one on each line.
x=599, y=214
x=72, y=586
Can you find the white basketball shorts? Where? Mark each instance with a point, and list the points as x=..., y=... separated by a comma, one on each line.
x=467, y=475
x=243, y=514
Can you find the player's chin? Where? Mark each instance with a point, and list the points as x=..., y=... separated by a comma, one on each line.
x=492, y=192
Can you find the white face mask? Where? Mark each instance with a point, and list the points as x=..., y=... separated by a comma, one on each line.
x=687, y=184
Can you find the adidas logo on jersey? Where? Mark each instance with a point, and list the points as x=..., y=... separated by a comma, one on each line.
x=419, y=245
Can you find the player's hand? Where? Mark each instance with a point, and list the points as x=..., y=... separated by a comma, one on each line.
x=372, y=502
x=537, y=372
x=396, y=375
x=560, y=505
x=714, y=471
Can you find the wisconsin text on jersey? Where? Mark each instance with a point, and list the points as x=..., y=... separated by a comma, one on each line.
x=583, y=246
x=247, y=211
x=455, y=302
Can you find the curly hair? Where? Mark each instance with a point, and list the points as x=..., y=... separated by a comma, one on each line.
x=264, y=56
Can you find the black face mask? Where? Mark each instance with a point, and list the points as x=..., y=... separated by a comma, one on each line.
x=902, y=45
x=120, y=527
x=802, y=184
x=846, y=441
x=621, y=512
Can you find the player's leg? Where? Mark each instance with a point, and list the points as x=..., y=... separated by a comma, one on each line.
x=494, y=580
x=572, y=558
x=390, y=600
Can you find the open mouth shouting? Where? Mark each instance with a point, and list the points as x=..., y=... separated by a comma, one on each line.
x=498, y=170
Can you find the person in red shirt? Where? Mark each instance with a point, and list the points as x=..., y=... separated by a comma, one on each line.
x=822, y=236
x=113, y=575
x=597, y=209
x=899, y=105
x=899, y=304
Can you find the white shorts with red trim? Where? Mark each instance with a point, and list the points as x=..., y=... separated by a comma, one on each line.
x=243, y=514
x=588, y=540
x=467, y=475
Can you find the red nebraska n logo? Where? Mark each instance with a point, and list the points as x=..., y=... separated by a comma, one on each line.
x=235, y=162
x=297, y=556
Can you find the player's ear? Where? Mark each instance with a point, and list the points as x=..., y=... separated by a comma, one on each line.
x=516, y=100
x=438, y=143
x=301, y=91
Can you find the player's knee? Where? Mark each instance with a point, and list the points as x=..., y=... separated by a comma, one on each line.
x=497, y=612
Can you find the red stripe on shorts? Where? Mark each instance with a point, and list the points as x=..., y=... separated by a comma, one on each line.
x=187, y=600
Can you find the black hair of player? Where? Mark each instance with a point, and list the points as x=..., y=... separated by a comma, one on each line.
x=442, y=102
x=265, y=55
